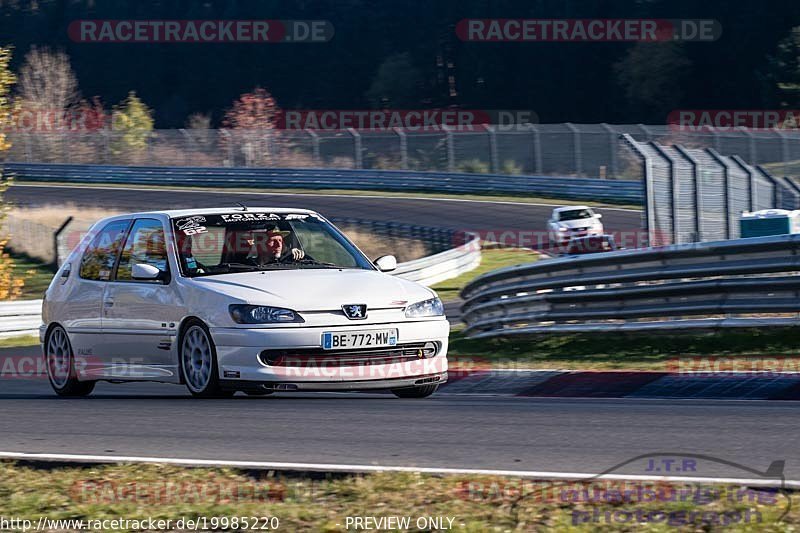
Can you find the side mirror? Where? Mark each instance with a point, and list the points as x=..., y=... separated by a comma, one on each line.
x=599, y=215
x=145, y=272
x=386, y=263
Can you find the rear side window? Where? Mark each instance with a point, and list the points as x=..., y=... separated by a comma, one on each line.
x=145, y=245
x=98, y=259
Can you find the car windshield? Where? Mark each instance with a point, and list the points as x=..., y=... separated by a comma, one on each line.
x=575, y=214
x=243, y=241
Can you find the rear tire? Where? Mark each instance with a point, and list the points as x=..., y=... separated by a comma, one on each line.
x=198, y=360
x=60, y=364
x=422, y=391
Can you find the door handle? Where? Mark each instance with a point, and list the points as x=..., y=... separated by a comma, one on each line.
x=109, y=303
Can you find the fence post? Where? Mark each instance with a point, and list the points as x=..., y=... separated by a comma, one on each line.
x=698, y=195
x=613, y=136
x=56, y=234
x=674, y=192
x=187, y=139
x=576, y=144
x=493, y=158
x=537, y=148
x=28, y=155
x=784, y=148
x=775, y=185
x=229, y=144
x=451, y=150
x=403, y=148
x=751, y=182
x=647, y=170
x=726, y=186
x=751, y=145
x=65, y=148
x=314, y=147
x=106, y=145
x=357, y=161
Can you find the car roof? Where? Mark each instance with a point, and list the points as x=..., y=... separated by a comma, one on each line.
x=175, y=213
x=570, y=208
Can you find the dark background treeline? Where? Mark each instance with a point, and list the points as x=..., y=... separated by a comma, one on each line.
x=423, y=64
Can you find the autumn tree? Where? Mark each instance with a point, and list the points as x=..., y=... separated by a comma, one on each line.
x=48, y=89
x=10, y=284
x=132, y=123
x=253, y=119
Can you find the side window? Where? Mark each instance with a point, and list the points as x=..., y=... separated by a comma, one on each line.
x=99, y=257
x=145, y=245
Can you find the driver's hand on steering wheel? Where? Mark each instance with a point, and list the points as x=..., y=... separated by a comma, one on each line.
x=298, y=254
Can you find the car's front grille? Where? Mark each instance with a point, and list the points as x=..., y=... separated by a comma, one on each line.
x=363, y=356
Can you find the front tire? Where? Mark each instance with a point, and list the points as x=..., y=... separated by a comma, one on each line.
x=422, y=391
x=60, y=363
x=198, y=359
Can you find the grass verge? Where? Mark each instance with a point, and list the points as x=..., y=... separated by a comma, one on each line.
x=346, y=192
x=475, y=503
x=491, y=259
x=618, y=351
x=15, y=342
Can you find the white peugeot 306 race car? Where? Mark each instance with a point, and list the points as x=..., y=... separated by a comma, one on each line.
x=238, y=299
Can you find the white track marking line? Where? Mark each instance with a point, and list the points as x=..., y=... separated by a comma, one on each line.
x=323, y=467
x=335, y=195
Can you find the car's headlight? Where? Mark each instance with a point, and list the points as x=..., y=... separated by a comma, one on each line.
x=562, y=228
x=432, y=307
x=261, y=314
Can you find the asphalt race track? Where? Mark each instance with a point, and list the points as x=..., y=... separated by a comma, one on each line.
x=480, y=432
x=450, y=214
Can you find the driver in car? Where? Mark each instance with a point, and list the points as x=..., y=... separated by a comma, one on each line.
x=268, y=247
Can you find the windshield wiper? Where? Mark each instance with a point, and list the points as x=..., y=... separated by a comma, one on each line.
x=232, y=266
x=302, y=263
x=316, y=263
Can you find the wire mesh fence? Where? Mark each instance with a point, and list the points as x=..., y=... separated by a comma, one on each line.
x=697, y=194
x=583, y=150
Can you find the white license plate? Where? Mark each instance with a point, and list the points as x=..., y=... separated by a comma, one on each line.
x=374, y=338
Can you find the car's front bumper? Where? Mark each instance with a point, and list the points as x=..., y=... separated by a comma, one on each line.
x=240, y=366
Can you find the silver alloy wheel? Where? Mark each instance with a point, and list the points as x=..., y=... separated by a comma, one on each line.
x=197, y=359
x=58, y=358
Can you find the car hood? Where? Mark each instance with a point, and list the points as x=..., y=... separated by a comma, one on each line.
x=316, y=289
x=579, y=223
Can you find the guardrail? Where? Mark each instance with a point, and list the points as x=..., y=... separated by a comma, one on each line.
x=20, y=317
x=620, y=191
x=737, y=283
x=443, y=266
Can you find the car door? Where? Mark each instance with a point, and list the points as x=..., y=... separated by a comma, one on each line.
x=82, y=302
x=140, y=316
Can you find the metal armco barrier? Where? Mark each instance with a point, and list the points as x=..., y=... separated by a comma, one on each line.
x=20, y=318
x=443, y=266
x=737, y=283
x=630, y=192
